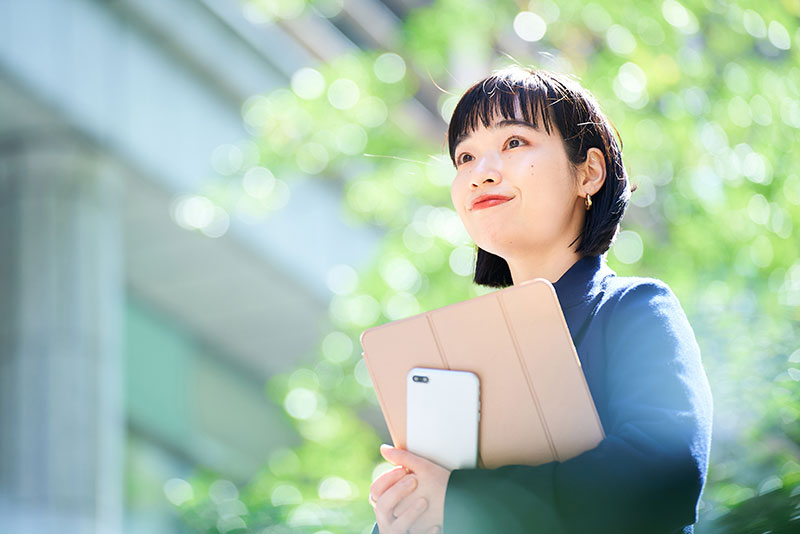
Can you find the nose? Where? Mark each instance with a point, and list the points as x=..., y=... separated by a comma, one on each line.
x=487, y=172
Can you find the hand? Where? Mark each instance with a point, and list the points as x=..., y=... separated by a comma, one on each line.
x=410, y=497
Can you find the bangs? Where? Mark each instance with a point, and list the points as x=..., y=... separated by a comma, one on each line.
x=501, y=96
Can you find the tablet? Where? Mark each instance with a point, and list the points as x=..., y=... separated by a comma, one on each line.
x=535, y=404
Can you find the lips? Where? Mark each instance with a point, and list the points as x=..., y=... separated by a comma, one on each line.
x=488, y=201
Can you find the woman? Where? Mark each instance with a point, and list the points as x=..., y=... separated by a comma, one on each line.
x=541, y=188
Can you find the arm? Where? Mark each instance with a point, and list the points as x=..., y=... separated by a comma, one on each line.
x=647, y=475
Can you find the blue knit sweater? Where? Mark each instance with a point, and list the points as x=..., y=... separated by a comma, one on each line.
x=642, y=365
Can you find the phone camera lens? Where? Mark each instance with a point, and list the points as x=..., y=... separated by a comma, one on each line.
x=418, y=378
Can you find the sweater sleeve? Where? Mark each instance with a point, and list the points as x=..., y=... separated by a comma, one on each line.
x=649, y=471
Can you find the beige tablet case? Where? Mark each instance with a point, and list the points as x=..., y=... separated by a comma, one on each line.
x=535, y=403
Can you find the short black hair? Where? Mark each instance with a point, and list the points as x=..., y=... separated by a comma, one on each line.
x=557, y=102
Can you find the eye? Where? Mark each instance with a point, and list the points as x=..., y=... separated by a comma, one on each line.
x=463, y=158
x=514, y=142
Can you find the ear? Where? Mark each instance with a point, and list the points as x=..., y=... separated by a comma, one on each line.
x=593, y=172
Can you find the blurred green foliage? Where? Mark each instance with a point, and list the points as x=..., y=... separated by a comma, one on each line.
x=706, y=97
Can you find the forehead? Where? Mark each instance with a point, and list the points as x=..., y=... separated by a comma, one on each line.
x=499, y=123
x=497, y=109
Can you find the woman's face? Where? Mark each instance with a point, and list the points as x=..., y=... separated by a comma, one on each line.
x=515, y=190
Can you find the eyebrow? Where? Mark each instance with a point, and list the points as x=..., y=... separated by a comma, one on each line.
x=503, y=123
x=515, y=122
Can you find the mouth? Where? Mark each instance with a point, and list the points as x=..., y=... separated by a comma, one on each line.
x=488, y=201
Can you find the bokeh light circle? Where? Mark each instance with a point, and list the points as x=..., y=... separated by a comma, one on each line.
x=312, y=158
x=372, y=112
x=258, y=182
x=343, y=94
x=342, y=279
x=620, y=40
x=308, y=83
x=300, y=403
x=351, y=139
x=334, y=488
x=462, y=260
x=628, y=247
x=529, y=26
x=337, y=347
x=178, y=491
x=286, y=495
x=390, y=68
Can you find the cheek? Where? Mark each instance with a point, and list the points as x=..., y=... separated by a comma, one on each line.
x=459, y=195
x=458, y=192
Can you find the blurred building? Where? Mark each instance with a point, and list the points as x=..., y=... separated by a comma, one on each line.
x=132, y=349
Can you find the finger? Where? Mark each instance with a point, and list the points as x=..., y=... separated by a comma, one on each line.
x=408, y=517
x=385, y=481
x=384, y=505
x=435, y=530
x=404, y=504
x=396, y=456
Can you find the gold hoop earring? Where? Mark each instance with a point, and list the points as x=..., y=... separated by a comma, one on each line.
x=588, y=201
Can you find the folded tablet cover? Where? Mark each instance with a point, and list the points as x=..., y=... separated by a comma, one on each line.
x=535, y=404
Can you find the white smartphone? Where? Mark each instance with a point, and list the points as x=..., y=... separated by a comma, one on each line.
x=442, y=416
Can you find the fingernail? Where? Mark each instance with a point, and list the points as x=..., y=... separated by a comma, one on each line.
x=436, y=530
x=386, y=446
x=410, y=481
x=421, y=503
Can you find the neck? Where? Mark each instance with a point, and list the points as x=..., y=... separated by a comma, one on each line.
x=548, y=266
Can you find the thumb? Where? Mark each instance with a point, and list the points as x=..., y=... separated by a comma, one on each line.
x=396, y=456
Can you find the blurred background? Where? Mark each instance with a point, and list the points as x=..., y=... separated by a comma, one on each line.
x=204, y=202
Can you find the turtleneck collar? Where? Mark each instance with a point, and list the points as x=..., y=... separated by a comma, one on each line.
x=581, y=281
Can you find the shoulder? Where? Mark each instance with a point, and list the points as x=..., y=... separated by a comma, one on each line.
x=644, y=322
x=629, y=293
x=639, y=309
